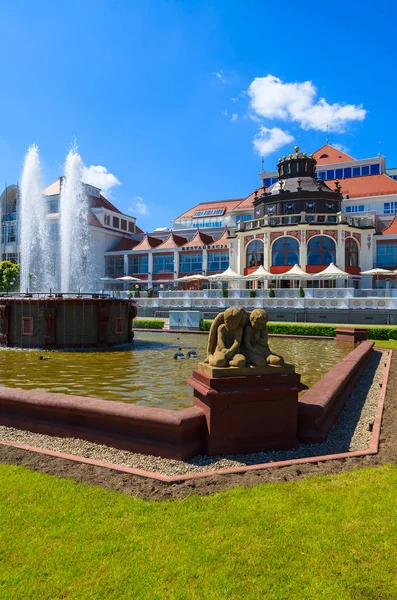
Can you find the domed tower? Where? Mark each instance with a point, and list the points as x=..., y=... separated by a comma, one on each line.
x=297, y=191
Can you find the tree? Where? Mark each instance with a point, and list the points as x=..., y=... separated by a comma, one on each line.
x=9, y=276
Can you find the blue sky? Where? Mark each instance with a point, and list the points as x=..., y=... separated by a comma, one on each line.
x=149, y=90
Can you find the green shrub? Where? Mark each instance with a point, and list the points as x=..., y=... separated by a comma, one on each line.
x=301, y=292
x=292, y=329
x=271, y=293
x=252, y=293
x=382, y=333
x=225, y=293
x=137, y=294
x=148, y=324
x=205, y=325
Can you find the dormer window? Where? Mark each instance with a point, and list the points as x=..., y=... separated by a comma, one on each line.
x=324, y=156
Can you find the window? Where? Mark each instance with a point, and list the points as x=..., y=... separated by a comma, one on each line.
x=116, y=222
x=119, y=325
x=255, y=253
x=11, y=256
x=285, y=251
x=218, y=261
x=243, y=218
x=8, y=233
x=356, y=171
x=338, y=173
x=27, y=325
x=53, y=205
x=347, y=172
x=123, y=225
x=351, y=253
x=365, y=170
x=390, y=208
x=267, y=182
x=386, y=254
x=321, y=250
x=331, y=174
x=114, y=265
x=191, y=262
x=138, y=264
x=131, y=226
x=324, y=156
x=354, y=209
x=289, y=208
x=208, y=213
x=107, y=220
x=321, y=175
x=163, y=263
x=53, y=233
x=375, y=169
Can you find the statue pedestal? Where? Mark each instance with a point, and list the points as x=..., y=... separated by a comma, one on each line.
x=248, y=410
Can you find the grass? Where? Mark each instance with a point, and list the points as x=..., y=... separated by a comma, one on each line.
x=385, y=343
x=329, y=537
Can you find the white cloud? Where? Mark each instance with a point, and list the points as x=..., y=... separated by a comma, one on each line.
x=234, y=117
x=271, y=98
x=224, y=113
x=268, y=140
x=99, y=177
x=254, y=118
x=235, y=99
x=341, y=147
x=219, y=75
x=138, y=207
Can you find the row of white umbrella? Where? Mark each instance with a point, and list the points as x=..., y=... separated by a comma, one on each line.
x=295, y=273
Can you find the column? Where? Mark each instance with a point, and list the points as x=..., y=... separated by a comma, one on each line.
x=205, y=260
x=150, y=269
x=176, y=264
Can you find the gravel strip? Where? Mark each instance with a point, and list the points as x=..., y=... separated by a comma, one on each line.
x=351, y=432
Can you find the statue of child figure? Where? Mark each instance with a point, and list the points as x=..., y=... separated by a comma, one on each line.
x=256, y=345
x=225, y=339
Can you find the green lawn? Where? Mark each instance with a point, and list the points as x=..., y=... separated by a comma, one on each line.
x=322, y=538
x=385, y=343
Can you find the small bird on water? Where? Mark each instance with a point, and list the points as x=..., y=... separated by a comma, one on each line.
x=179, y=355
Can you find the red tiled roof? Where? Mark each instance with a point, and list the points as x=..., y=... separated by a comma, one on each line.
x=247, y=202
x=124, y=244
x=138, y=229
x=199, y=239
x=92, y=219
x=102, y=202
x=223, y=238
x=147, y=243
x=331, y=155
x=370, y=185
x=227, y=204
x=391, y=229
x=173, y=241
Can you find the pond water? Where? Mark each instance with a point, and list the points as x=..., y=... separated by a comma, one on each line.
x=145, y=372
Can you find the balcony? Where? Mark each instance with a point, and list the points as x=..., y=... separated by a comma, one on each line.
x=303, y=218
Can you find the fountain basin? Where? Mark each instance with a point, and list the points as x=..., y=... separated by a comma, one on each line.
x=57, y=322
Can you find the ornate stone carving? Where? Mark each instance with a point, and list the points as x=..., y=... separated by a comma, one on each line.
x=332, y=233
x=311, y=233
x=248, y=239
x=295, y=233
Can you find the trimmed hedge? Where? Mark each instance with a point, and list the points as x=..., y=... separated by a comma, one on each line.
x=148, y=324
x=374, y=333
x=205, y=325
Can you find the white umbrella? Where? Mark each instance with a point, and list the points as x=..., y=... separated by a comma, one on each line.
x=377, y=271
x=260, y=273
x=295, y=273
x=331, y=272
x=128, y=278
x=192, y=278
x=228, y=275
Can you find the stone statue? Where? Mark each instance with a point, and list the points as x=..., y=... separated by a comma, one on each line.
x=225, y=337
x=255, y=343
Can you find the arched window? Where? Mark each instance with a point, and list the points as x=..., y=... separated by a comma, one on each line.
x=321, y=250
x=255, y=253
x=351, y=253
x=285, y=251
